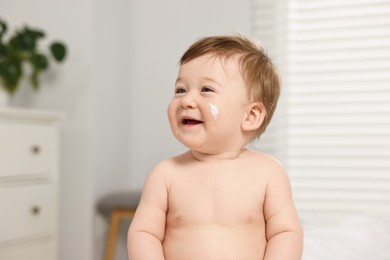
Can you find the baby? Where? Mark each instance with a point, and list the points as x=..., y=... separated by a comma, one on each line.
x=219, y=200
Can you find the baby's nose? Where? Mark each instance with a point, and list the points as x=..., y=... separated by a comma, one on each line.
x=188, y=101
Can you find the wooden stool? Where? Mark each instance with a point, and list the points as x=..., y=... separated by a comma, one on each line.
x=119, y=206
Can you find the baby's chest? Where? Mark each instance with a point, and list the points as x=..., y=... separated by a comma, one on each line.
x=216, y=200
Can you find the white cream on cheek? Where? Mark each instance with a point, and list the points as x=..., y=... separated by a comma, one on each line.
x=214, y=110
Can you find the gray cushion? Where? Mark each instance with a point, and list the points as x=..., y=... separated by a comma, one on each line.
x=121, y=199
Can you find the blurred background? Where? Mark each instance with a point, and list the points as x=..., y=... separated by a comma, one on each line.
x=331, y=130
x=113, y=90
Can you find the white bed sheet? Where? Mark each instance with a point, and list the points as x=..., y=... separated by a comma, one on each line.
x=358, y=237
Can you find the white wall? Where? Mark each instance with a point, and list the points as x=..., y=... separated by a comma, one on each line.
x=113, y=89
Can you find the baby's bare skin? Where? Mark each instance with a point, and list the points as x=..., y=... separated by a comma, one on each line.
x=213, y=209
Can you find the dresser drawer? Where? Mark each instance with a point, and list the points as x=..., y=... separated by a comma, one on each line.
x=26, y=211
x=27, y=149
x=33, y=251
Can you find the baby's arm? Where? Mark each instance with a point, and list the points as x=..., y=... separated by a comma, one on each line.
x=147, y=229
x=284, y=232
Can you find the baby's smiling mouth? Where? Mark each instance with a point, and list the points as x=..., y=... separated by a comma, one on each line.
x=189, y=121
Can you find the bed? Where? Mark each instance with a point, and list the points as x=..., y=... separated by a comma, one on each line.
x=357, y=236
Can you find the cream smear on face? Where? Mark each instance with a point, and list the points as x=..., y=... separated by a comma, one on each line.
x=214, y=110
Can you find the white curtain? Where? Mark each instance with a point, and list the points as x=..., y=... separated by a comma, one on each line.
x=332, y=127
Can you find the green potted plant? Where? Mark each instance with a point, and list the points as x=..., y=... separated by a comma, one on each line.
x=21, y=48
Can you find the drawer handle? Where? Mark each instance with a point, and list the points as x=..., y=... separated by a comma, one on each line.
x=36, y=149
x=35, y=210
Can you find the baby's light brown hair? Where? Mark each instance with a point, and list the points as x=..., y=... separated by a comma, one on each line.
x=260, y=74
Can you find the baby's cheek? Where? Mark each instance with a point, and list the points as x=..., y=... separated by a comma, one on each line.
x=214, y=111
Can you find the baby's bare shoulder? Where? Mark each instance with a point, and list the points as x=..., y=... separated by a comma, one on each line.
x=262, y=159
x=264, y=164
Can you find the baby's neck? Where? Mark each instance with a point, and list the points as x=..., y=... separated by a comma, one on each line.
x=225, y=155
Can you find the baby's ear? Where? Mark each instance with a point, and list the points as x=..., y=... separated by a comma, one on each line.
x=254, y=117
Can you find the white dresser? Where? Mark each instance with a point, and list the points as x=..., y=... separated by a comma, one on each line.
x=28, y=184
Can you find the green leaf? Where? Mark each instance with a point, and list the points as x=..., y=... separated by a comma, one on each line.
x=36, y=34
x=34, y=79
x=3, y=50
x=3, y=28
x=10, y=87
x=58, y=50
x=11, y=73
x=11, y=70
x=39, y=62
x=26, y=41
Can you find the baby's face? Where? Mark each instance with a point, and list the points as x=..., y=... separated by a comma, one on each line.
x=209, y=104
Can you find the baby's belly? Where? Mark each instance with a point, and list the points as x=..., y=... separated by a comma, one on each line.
x=214, y=243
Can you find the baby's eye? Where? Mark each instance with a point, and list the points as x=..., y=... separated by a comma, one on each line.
x=207, y=89
x=180, y=91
